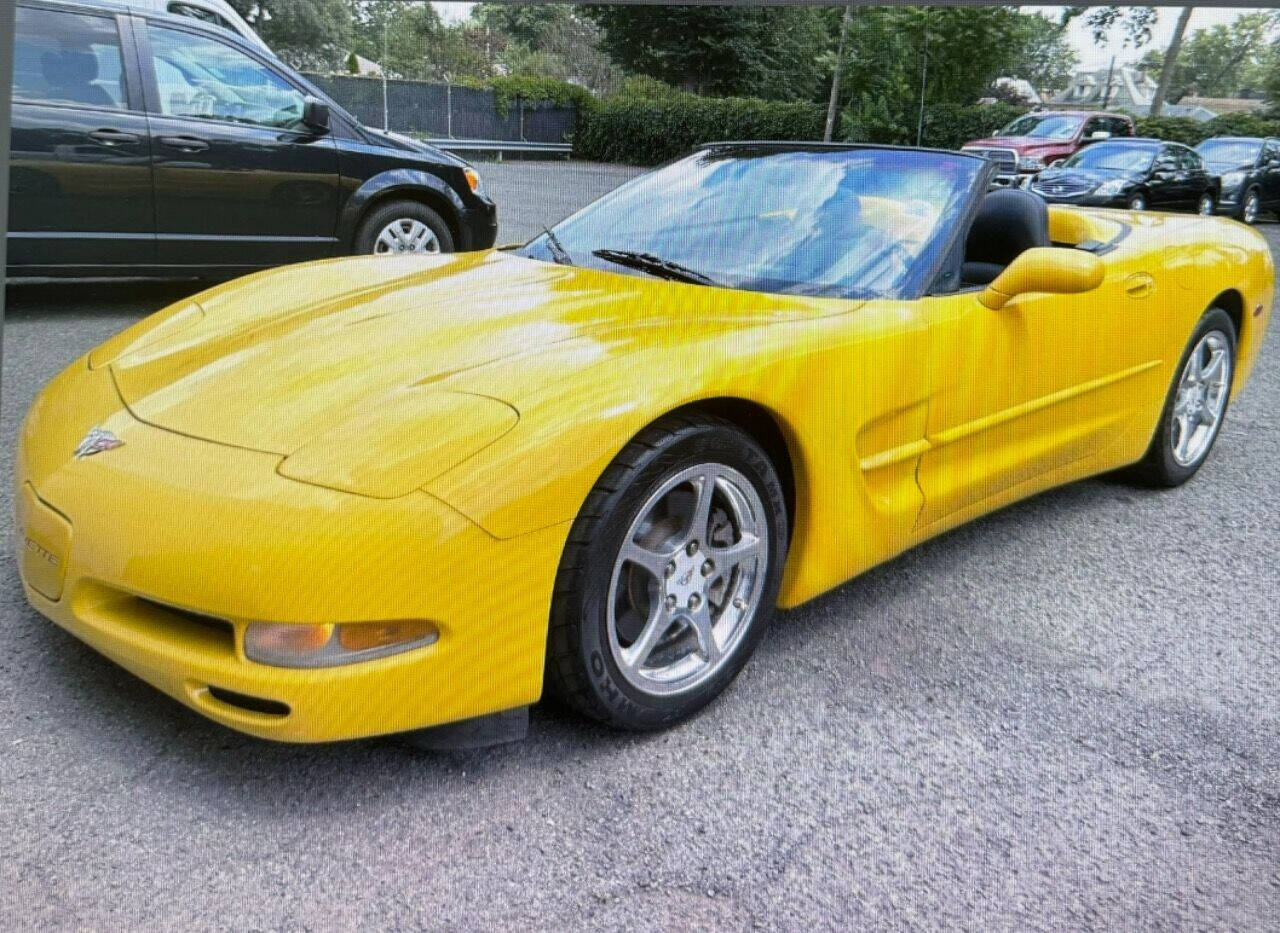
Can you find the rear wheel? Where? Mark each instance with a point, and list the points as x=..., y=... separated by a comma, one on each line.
x=1206, y=204
x=403, y=227
x=1195, y=406
x=1137, y=201
x=670, y=575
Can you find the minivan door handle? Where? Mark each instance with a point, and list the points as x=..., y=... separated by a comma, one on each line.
x=185, y=143
x=112, y=137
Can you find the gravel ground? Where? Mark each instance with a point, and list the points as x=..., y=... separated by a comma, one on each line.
x=1063, y=716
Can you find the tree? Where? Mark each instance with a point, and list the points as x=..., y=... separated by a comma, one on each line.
x=903, y=61
x=1043, y=56
x=1222, y=60
x=1170, y=61
x=304, y=33
x=549, y=40
x=770, y=52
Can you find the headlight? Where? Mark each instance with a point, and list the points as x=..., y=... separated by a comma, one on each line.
x=1030, y=163
x=331, y=645
x=1114, y=186
x=473, y=180
x=1232, y=180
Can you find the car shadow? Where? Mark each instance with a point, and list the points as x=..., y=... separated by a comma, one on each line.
x=30, y=298
x=113, y=714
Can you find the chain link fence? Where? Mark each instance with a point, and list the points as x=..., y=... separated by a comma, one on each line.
x=447, y=111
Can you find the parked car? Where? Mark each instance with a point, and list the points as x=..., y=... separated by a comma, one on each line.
x=160, y=145
x=1136, y=173
x=418, y=496
x=1249, y=167
x=1040, y=140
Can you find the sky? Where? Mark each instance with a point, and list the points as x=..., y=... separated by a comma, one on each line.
x=1079, y=35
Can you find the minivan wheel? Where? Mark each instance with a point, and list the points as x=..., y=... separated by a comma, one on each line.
x=403, y=227
x=1250, y=207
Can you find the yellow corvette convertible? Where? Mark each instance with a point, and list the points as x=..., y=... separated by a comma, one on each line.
x=382, y=494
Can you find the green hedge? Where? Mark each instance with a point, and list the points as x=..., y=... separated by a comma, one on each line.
x=946, y=126
x=641, y=131
x=950, y=126
x=1193, y=132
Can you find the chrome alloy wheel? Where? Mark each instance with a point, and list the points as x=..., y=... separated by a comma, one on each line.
x=1205, y=208
x=406, y=235
x=688, y=579
x=1201, y=399
x=1251, y=207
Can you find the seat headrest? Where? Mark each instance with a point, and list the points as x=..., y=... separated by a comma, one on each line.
x=68, y=67
x=1009, y=221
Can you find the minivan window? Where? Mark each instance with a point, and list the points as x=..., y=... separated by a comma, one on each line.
x=68, y=58
x=204, y=14
x=198, y=76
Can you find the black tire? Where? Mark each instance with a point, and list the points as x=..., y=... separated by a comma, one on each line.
x=1137, y=201
x=1207, y=205
x=1158, y=468
x=581, y=670
x=384, y=214
x=1243, y=210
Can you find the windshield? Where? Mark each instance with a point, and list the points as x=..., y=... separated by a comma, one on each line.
x=1045, y=127
x=1230, y=152
x=849, y=223
x=1113, y=157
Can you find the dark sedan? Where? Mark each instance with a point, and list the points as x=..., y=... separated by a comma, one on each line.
x=1135, y=173
x=158, y=145
x=1249, y=167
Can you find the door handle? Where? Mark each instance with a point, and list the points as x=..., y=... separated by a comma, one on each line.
x=1139, y=285
x=185, y=143
x=110, y=137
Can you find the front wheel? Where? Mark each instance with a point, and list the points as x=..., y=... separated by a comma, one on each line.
x=1195, y=406
x=1137, y=201
x=670, y=575
x=1250, y=207
x=403, y=227
x=1206, y=205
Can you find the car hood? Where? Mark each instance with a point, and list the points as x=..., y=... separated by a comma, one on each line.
x=1091, y=176
x=275, y=360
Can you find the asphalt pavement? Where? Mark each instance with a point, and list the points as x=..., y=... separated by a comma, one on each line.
x=1061, y=717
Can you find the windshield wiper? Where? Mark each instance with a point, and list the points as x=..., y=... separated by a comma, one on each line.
x=655, y=265
x=558, y=252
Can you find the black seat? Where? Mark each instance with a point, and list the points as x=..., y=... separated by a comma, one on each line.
x=70, y=74
x=1009, y=221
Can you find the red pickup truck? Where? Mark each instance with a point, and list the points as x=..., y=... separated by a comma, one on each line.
x=1037, y=140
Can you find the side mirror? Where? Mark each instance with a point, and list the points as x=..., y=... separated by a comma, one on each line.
x=315, y=114
x=1049, y=270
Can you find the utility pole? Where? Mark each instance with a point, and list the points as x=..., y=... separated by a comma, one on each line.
x=833, y=102
x=924, y=81
x=1106, y=91
x=386, y=124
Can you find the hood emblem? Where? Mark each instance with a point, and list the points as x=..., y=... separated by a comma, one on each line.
x=96, y=441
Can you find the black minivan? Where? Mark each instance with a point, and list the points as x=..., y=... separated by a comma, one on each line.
x=153, y=144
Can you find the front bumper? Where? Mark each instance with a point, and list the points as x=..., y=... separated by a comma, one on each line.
x=480, y=225
x=158, y=553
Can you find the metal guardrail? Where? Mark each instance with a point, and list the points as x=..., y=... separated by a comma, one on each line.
x=499, y=146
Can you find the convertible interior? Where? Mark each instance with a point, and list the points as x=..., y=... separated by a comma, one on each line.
x=1010, y=221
